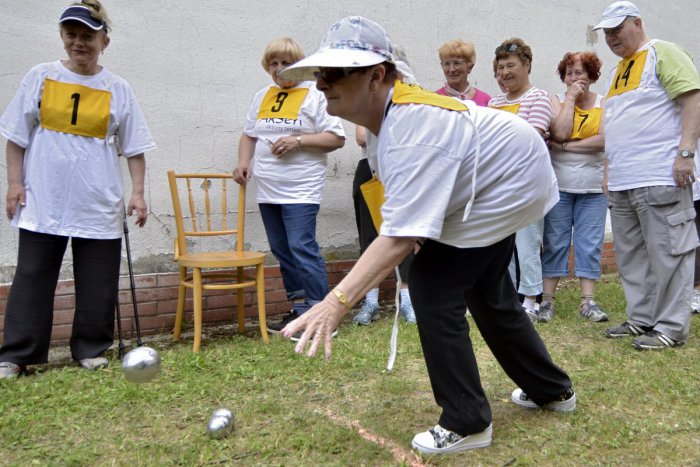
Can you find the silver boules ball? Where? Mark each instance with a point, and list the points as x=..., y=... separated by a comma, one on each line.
x=141, y=364
x=220, y=424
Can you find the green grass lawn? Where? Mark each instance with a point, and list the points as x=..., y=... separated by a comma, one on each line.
x=634, y=408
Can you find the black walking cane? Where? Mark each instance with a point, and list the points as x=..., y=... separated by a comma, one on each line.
x=139, y=343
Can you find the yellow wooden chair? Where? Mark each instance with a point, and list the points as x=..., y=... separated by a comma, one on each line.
x=222, y=269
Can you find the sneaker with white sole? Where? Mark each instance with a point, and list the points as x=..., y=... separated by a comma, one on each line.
x=590, y=309
x=695, y=303
x=531, y=313
x=368, y=312
x=654, y=340
x=546, y=312
x=564, y=403
x=438, y=440
x=406, y=312
x=9, y=370
x=626, y=330
x=276, y=328
x=94, y=363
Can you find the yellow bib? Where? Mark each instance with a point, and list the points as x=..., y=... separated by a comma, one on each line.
x=512, y=108
x=413, y=94
x=628, y=74
x=75, y=109
x=282, y=103
x=586, y=123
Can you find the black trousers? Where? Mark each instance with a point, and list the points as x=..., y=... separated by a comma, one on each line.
x=29, y=314
x=444, y=280
x=363, y=219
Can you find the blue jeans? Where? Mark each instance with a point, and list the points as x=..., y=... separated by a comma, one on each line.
x=584, y=213
x=291, y=233
x=528, y=244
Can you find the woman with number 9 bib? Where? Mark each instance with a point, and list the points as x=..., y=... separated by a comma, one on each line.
x=63, y=128
x=287, y=137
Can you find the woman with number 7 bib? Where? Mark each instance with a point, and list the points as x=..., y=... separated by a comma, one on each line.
x=287, y=137
x=64, y=182
x=578, y=158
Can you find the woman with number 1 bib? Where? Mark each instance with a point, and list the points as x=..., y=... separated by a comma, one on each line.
x=64, y=182
x=287, y=138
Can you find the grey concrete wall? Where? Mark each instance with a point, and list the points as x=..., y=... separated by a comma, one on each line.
x=196, y=65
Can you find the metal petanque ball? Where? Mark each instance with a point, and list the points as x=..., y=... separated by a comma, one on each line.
x=220, y=424
x=141, y=364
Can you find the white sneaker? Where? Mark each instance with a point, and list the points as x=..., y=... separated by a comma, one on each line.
x=565, y=403
x=94, y=363
x=9, y=370
x=695, y=303
x=438, y=440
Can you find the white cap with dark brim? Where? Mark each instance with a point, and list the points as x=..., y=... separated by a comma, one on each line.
x=616, y=13
x=81, y=14
x=349, y=43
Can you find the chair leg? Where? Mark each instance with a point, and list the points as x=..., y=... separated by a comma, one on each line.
x=181, y=295
x=197, y=289
x=241, y=304
x=260, y=282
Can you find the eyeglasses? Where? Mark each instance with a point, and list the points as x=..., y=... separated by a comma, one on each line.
x=331, y=75
x=453, y=64
x=510, y=48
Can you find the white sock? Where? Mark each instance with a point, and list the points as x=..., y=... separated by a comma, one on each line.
x=529, y=303
x=405, y=297
x=372, y=297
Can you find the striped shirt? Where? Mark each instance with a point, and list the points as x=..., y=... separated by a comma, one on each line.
x=534, y=106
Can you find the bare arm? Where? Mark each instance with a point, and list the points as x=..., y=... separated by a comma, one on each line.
x=317, y=143
x=361, y=136
x=137, y=170
x=590, y=145
x=15, y=183
x=684, y=168
x=380, y=258
x=246, y=150
x=563, y=122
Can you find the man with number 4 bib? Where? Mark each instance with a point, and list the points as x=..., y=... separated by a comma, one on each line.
x=652, y=124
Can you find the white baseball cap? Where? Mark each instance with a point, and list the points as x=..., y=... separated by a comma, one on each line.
x=352, y=42
x=616, y=13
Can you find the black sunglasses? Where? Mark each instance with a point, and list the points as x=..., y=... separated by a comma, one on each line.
x=331, y=75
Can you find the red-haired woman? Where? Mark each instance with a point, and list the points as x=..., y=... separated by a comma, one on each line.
x=577, y=150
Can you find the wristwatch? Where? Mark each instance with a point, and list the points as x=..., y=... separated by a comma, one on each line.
x=342, y=298
x=299, y=140
x=686, y=154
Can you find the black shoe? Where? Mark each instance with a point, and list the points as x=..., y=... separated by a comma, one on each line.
x=296, y=337
x=626, y=330
x=276, y=328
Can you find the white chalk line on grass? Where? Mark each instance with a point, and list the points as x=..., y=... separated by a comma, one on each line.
x=400, y=454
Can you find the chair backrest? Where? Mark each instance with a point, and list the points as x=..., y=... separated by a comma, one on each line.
x=206, y=198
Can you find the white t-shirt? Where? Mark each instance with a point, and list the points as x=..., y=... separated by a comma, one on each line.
x=576, y=172
x=298, y=176
x=73, y=182
x=426, y=158
x=642, y=117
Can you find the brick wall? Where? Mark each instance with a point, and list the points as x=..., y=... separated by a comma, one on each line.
x=156, y=297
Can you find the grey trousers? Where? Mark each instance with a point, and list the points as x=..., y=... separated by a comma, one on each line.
x=655, y=240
